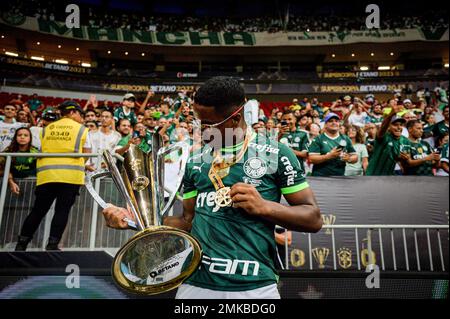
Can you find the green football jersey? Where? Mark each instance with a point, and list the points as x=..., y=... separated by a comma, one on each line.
x=417, y=151
x=239, y=249
x=385, y=154
x=376, y=120
x=119, y=113
x=298, y=141
x=437, y=130
x=444, y=153
x=323, y=144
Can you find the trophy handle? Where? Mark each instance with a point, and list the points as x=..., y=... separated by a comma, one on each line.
x=184, y=147
x=90, y=177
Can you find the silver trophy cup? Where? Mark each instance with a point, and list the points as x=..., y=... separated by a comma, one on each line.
x=157, y=258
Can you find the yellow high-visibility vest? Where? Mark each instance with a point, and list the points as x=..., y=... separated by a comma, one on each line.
x=62, y=136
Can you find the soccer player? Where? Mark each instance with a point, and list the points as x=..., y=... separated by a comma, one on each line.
x=389, y=143
x=330, y=151
x=241, y=234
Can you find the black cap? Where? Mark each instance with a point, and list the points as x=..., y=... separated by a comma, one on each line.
x=49, y=115
x=70, y=105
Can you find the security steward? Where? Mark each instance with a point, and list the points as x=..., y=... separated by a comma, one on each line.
x=58, y=178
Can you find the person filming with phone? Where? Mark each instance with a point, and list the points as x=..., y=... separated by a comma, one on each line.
x=331, y=151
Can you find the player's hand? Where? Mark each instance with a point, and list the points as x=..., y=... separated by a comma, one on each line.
x=334, y=153
x=248, y=198
x=114, y=217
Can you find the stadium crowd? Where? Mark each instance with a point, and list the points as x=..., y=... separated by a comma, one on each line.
x=354, y=136
x=98, y=17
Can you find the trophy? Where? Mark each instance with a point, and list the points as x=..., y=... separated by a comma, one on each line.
x=157, y=258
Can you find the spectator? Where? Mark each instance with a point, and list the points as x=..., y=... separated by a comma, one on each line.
x=103, y=139
x=294, y=138
x=21, y=167
x=330, y=151
x=90, y=115
x=439, y=129
x=48, y=116
x=357, y=116
x=8, y=126
x=356, y=134
x=371, y=134
x=92, y=126
x=166, y=112
x=35, y=104
x=443, y=167
x=376, y=117
x=422, y=157
x=25, y=116
x=389, y=144
x=17, y=102
x=126, y=110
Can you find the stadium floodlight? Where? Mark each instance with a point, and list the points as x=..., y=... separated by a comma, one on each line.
x=60, y=61
x=86, y=65
x=37, y=58
x=392, y=53
x=78, y=49
x=333, y=55
x=38, y=43
x=11, y=53
x=446, y=65
x=384, y=68
x=363, y=68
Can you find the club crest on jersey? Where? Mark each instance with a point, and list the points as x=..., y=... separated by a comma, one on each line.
x=255, y=167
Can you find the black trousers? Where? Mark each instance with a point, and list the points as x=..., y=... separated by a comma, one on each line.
x=65, y=195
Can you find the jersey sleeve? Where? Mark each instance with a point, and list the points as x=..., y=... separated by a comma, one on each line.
x=189, y=189
x=314, y=147
x=290, y=176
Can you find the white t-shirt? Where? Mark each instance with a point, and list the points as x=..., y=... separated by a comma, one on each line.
x=7, y=131
x=36, y=136
x=358, y=119
x=101, y=142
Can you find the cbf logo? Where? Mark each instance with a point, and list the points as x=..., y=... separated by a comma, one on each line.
x=255, y=167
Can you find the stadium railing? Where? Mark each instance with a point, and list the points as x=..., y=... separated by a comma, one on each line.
x=87, y=231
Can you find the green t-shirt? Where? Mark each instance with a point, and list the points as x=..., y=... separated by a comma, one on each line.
x=239, y=249
x=119, y=113
x=145, y=145
x=444, y=153
x=437, y=130
x=376, y=120
x=417, y=151
x=385, y=154
x=298, y=141
x=171, y=115
x=323, y=144
x=24, y=166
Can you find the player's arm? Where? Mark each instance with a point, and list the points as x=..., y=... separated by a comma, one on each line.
x=303, y=214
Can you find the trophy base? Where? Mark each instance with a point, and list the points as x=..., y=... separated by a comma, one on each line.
x=156, y=260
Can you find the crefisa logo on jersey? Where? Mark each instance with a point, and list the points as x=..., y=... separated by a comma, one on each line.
x=255, y=167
